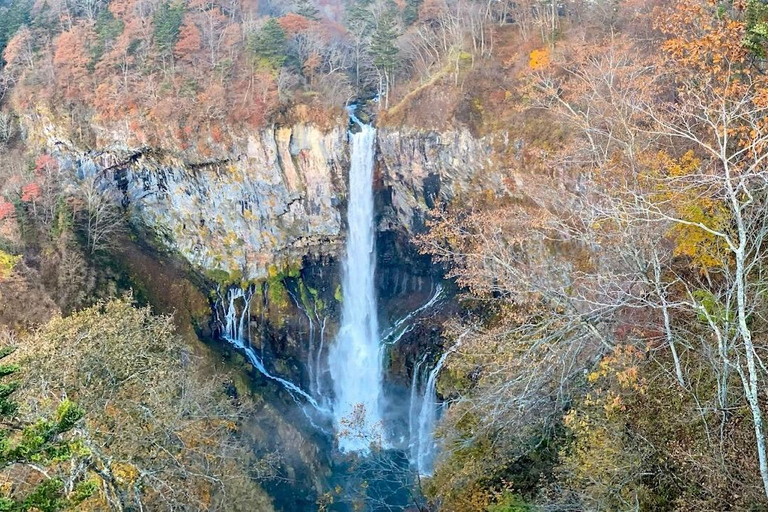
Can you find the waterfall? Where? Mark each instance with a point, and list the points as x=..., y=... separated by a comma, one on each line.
x=234, y=330
x=404, y=325
x=413, y=411
x=355, y=358
x=423, y=446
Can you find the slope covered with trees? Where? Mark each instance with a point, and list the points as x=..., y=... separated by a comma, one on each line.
x=609, y=349
x=614, y=357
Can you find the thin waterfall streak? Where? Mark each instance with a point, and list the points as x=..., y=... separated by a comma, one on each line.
x=413, y=410
x=234, y=333
x=425, y=440
x=395, y=329
x=310, y=342
x=318, y=371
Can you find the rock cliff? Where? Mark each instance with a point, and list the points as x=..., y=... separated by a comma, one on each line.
x=276, y=197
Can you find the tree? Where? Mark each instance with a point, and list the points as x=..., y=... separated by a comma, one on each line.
x=98, y=214
x=411, y=11
x=709, y=201
x=268, y=44
x=42, y=446
x=166, y=437
x=385, y=54
x=307, y=9
x=190, y=41
x=12, y=17
x=167, y=24
x=7, y=128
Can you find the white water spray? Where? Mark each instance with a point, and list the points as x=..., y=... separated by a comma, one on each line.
x=355, y=358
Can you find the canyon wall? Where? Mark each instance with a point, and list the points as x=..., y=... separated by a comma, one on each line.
x=277, y=196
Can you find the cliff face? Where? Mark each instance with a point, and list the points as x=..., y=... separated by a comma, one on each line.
x=275, y=199
x=278, y=196
x=422, y=168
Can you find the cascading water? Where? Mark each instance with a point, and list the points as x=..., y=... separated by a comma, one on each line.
x=355, y=360
x=423, y=446
x=405, y=324
x=234, y=330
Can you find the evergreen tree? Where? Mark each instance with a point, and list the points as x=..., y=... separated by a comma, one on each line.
x=167, y=23
x=11, y=19
x=107, y=30
x=307, y=9
x=39, y=443
x=359, y=19
x=383, y=44
x=385, y=54
x=411, y=11
x=269, y=44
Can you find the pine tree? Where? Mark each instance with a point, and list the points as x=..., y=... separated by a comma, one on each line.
x=268, y=45
x=167, y=23
x=11, y=19
x=411, y=11
x=383, y=44
x=307, y=9
x=40, y=443
x=385, y=54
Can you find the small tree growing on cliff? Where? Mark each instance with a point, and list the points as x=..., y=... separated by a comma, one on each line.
x=99, y=215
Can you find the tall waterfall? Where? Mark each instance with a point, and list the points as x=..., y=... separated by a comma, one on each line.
x=355, y=358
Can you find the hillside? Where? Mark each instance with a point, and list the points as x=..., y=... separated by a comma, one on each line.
x=433, y=255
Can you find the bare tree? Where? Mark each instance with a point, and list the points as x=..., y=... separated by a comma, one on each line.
x=7, y=128
x=100, y=216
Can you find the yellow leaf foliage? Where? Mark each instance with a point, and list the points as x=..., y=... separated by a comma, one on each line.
x=676, y=186
x=539, y=59
x=7, y=263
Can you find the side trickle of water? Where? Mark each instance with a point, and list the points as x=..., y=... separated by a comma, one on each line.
x=234, y=330
x=355, y=358
x=423, y=446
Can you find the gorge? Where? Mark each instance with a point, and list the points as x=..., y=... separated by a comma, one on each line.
x=383, y=256
x=355, y=404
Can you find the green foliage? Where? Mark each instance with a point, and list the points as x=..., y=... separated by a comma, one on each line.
x=359, y=19
x=411, y=11
x=223, y=277
x=11, y=19
x=756, y=20
x=268, y=44
x=337, y=294
x=167, y=23
x=385, y=53
x=307, y=9
x=713, y=308
x=41, y=443
x=510, y=502
x=107, y=30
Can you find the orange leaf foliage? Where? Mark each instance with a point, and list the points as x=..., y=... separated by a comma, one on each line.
x=539, y=59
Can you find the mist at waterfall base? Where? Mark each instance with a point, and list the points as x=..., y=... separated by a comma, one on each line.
x=358, y=409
